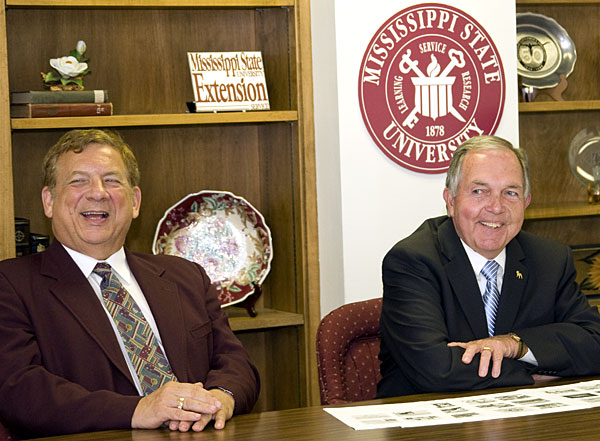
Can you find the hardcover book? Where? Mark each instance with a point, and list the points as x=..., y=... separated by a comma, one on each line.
x=59, y=96
x=60, y=109
x=22, y=235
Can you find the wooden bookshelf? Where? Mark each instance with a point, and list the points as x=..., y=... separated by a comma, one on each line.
x=137, y=52
x=559, y=206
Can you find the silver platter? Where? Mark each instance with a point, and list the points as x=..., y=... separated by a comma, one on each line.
x=544, y=51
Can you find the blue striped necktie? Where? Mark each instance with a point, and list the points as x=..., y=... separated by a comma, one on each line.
x=491, y=296
x=148, y=359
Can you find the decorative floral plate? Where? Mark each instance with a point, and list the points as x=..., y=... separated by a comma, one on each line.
x=223, y=233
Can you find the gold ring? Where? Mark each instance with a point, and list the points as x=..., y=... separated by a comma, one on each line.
x=486, y=348
x=180, y=404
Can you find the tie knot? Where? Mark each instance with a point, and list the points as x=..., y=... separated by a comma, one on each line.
x=490, y=269
x=102, y=268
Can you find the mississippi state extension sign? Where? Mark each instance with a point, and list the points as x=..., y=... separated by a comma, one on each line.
x=430, y=79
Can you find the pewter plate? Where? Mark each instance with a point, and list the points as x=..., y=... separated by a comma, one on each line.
x=544, y=50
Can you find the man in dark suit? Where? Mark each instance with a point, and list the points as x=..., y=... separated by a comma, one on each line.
x=448, y=323
x=71, y=361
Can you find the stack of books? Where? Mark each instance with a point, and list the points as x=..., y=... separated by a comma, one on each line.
x=27, y=242
x=50, y=103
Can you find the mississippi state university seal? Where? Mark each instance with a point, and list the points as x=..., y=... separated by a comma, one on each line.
x=430, y=79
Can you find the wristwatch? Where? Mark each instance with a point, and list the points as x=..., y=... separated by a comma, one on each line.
x=522, y=349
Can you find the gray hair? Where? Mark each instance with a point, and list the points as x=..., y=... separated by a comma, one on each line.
x=484, y=142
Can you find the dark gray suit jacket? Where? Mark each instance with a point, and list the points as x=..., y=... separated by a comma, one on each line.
x=61, y=368
x=431, y=297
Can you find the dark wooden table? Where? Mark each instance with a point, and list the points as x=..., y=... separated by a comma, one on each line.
x=313, y=423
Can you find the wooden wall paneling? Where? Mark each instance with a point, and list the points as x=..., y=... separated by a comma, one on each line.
x=570, y=231
x=277, y=146
x=546, y=139
x=273, y=28
x=275, y=354
x=28, y=151
x=287, y=377
x=256, y=345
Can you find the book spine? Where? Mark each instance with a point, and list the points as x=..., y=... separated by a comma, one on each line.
x=70, y=109
x=51, y=97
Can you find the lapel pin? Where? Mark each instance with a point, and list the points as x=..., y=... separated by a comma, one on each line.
x=519, y=275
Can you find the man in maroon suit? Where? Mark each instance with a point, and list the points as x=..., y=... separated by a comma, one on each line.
x=64, y=366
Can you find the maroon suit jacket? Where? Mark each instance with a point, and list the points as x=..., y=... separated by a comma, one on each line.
x=61, y=368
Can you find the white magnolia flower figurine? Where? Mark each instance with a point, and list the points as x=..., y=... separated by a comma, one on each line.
x=71, y=70
x=68, y=67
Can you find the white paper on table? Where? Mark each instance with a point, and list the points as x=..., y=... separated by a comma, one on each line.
x=523, y=402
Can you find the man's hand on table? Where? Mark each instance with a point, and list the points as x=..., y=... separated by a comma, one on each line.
x=494, y=348
x=183, y=406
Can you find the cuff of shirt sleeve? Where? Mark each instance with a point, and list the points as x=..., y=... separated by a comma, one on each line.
x=529, y=358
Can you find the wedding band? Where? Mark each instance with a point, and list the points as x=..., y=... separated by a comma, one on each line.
x=486, y=348
x=180, y=404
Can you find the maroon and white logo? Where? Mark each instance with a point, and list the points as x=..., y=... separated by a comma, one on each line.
x=430, y=79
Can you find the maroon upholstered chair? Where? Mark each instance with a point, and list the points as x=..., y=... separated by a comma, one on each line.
x=5, y=434
x=347, y=349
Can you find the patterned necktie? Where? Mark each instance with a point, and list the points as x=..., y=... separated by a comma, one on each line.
x=491, y=297
x=148, y=359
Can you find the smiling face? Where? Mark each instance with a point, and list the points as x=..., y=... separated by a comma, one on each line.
x=489, y=206
x=92, y=204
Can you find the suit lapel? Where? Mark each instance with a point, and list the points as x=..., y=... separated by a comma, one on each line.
x=73, y=290
x=460, y=274
x=464, y=283
x=513, y=288
x=163, y=298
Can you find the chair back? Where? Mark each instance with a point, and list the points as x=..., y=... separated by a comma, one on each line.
x=347, y=352
x=5, y=435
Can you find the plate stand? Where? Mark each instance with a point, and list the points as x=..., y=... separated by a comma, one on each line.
x=248, y=302
x=593, y=194
x=530, y=93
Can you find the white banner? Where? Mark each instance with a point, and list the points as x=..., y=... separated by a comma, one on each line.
x=448, y=69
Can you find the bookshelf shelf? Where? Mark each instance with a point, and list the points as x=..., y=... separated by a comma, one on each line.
x=561, y=210
x=151, y=3
x=265, y=319
x=154, y=120
x=559, y=106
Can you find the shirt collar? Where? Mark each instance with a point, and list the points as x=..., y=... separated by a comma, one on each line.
x=477, y=260
x=117, y=261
